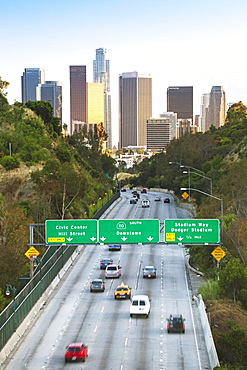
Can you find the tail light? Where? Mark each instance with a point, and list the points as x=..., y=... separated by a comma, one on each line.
x=168, y=326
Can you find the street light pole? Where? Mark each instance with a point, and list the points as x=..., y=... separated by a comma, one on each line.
x=193, y=168
x=212, y=196
x=196, y=173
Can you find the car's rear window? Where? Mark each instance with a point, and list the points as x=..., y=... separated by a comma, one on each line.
x=111, y=268
x=74, y=349
x=177, y=320
x=135, y=303
x=142, y=303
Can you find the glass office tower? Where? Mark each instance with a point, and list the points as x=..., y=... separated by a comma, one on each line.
x=51, y=91
x=180, y=101
x=101, y=74
x=29, y=81
x=78, y=95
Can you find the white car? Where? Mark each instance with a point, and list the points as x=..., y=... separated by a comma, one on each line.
x=145, y=203
x=140, y=305
x=113, y=271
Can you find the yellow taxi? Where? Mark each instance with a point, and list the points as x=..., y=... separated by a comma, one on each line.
x=122, y=291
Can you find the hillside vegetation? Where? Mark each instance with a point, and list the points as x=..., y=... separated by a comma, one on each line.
x=44, y=175
x=222, y=156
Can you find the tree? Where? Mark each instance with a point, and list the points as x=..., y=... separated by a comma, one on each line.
x=44, y=110
x=236, y=113
x=3, y=86
x=63, y=186
x=13, y=244
x=233, y=277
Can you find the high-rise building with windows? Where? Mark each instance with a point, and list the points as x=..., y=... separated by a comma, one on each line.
x=204, y=112
x=135, y=108
x=29, y=81
x=51, y=91
x=217, y=107
x=180, y=101
x=160, y=131
x=78, y=96
x=95, y=103
x=101, y=74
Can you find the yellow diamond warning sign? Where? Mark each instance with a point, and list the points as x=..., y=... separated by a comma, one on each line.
x=31, y=252
x=218, y=253
x=185, y=195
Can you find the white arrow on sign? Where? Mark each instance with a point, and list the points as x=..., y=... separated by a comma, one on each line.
x=124, y=238
x=180, y=238
x=103, y=238
x=93, y=238
x=150, y=238
x=69, y=239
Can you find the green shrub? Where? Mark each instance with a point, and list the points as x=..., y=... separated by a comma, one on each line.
x=210, y=290
x=9, y=162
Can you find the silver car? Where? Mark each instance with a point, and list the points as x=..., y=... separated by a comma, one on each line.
x=113, y=271
x=149, y=272
x=97, y=285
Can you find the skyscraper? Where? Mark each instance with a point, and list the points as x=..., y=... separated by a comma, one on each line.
x=216, y=107
x=101, y=74
x=95, y=103
x=51, y=91
x=180, y=101
x=204, y=112
x=29, y=81
x=135, y=108
x=78, y=96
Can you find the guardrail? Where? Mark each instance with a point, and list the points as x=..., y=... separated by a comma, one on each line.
x=51, y=264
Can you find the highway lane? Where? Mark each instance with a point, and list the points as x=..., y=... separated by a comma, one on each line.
x=115, y=340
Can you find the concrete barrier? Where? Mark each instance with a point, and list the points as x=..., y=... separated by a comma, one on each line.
x=212, y=353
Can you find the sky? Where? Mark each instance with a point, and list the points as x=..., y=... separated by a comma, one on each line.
x=179, y=42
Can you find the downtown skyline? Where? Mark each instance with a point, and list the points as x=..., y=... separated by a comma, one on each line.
x=178, y=44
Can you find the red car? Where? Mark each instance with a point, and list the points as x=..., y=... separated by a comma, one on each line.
x=143, y=190
x=76, y=352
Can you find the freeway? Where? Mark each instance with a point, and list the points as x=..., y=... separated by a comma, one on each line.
x=115, y=340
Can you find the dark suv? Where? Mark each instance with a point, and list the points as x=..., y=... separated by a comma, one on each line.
x=175, y=324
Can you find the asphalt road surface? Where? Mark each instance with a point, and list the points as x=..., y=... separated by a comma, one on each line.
x=116, y=341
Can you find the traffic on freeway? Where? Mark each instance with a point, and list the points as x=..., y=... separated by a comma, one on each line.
x=106, y=332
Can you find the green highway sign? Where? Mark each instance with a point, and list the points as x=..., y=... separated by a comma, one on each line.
x=129, y=231
x=71, y=231
x=194, y=231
